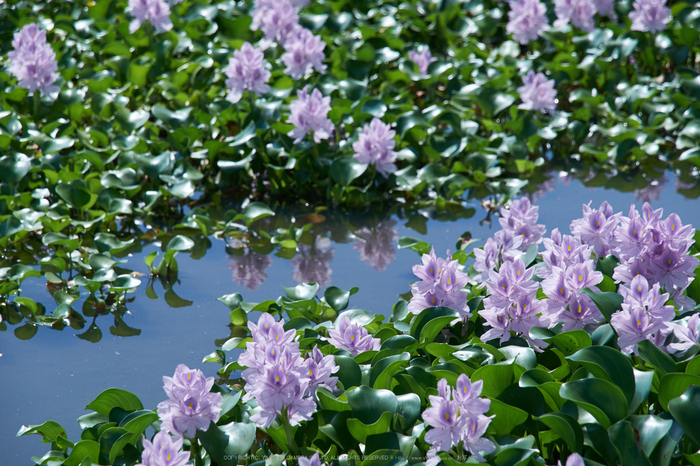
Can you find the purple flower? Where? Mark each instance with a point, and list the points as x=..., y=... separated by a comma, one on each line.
x=163, y=451
x=527, y=20
x=315, y=460
x=538, y=93
x=597, y=228
x=310, y=113
x=574, y=459
x=246, y=71
x=157, y=12
x=486, y=259
x=458, y=420
x=422, y=58
x=319, y=369
x=352, y=337
x=687, y=334
x=606, y=8
x=442, y=284
x=303, y=54
x=312, y=263
x=33, y=61
x=376, y=244
x=375, y=146
x=249, y=270
x=579, y=12
x=190, y=405
x=277, y=19
x=650, y=15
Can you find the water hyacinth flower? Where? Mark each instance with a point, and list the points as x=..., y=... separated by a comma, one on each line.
x=422, y=58
x=650, y=15
x=310, y=113
x=315, y=460
x=574, y=459
x=278, y=377
x=352, y=337
x=157, y=12
x=458, y=416
x=580, y=13
x=303, y=53
x=527, y=20
x=375, y=146
x=538, y=93
x=190, y=405
x=163, y=451
x=442, y=284
x=246, y=71
x=687, y=334
x=33, y=61
x=376, y=245
x=606, y=8
x=277, y=19
x=597, y=228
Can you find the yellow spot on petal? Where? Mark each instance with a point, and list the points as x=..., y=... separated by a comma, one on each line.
x=639, y=288
x=267, y=325
x=569, y=248
x=447, y=416
x=580, y=277
x=597, y=224
x=311, y=372
x=524, y=307
x=168, y=457
x=639, y=321
x=352, y=337
x=673, y=227
x=189, y=376
x=449, y=280
x=190, y=405
x=504, y=286
x=669, y=260
x=518, y=273
x=277, y=378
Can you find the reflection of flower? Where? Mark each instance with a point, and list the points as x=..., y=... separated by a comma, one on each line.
x=249, y=269
x=652, y=191
x=376, y=245
x=311, y=264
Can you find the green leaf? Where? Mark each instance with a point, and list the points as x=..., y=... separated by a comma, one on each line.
x=81, y=451
x=650, y=429
x=673, y=385
x=137, y=423
x=566, y=427
x=660, y=360
x=686, y=410
x=225, y=443
x=507, y=417
x=49, y=430
x=346, y=169
x=115, y=398
x=383, y=371
x=360, y=430
x=496, y=377
x=180, y=243
x=430, y=322
x=244, y=136
x=76, y=194
x=599, y=397
x=369, y=404
x=255, y=211
x=608, y=303
x=349, y=374
x=232, y=301
x=337, y=298
x=622, y=436
x=327, y=401
x=608, y=364
x=301, y=292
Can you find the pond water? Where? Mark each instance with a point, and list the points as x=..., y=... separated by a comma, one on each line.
x=54, y=375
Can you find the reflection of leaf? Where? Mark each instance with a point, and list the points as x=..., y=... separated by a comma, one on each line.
x=26, y=331
x=174, y=300
x=92, y=334
x=120, y=329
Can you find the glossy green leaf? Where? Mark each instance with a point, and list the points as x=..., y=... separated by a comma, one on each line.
x=601, y=398
x=566, y=427
x=115, y=398
x=225, y=443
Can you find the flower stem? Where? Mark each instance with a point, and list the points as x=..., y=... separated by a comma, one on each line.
x=37, y=103
x=291, y=445
x=195, y=452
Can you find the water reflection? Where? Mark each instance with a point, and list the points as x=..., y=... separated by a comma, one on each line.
x=312, y=263
x=652, y=191
x=376, y=244
x=250, y=269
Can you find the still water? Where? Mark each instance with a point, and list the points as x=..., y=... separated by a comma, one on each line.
x=54, y=375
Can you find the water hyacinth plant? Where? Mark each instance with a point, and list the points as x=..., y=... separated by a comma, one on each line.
x=527, y=329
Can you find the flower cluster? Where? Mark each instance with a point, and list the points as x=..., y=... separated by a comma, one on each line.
x=441, y=284
x=569, y=268
x=519, y=230
x=643, y=316
x=512, y=305
x=650, y=15
x=527, y=20
x=163, y=451
x=687, y=334
x=458, y=416
x=580, y=13
x=310, y=113
x=246, y=70
x=303, y=53
x=538, y=93
x=352, y=337
x=277, y=19
x=278, y=377
x=33, y=61
x=422, y=58
x=376, y=244
x=597, y=228
x=375, y=146
x=157, y=12
x=190, y=404
x=656, y=249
